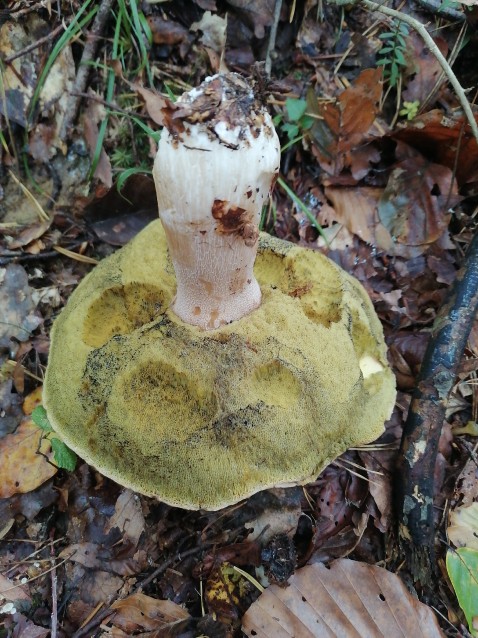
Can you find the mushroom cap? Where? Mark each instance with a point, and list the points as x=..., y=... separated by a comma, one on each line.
x=202, y=419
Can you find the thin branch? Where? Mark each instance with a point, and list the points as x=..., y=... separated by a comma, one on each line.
x=35, y=45
x=434, y=50
x=414, y=479
x=91, y=626
x=89, y=52
x=54, y=595
x=272, y=36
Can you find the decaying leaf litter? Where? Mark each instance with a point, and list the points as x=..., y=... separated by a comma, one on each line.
x=379, y=171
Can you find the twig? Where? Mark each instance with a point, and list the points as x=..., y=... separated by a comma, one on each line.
x=54, y=595
x=88, y=54
x=19, y=257
x=90, y=627
x=434, y=50
x=438, y=8
x=272, y=36
x=110, y=105
x=414, y=479
x=35, y=45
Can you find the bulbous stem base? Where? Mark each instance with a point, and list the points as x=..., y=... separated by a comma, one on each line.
x=215, y=279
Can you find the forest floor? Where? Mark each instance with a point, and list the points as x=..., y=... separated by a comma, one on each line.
x=379, y=172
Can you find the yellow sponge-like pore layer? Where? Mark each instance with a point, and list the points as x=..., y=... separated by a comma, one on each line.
x=204, y=419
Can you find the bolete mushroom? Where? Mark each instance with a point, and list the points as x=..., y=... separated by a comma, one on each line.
x=178, y=371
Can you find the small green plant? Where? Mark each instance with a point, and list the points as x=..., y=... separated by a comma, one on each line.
x=462, y=567
x=132, y=39
x=296, y=122
x=392, y=53
x=410, y=110
x=62, y=455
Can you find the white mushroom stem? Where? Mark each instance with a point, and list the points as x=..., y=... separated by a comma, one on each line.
x=213, y=173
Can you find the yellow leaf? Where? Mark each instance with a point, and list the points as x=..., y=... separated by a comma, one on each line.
x=32, y=400
x=21, y=468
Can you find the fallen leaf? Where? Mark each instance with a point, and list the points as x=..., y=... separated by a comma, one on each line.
x=18, y=310
x=423, y=67
x=21, y=468
x=259, y=13
x=30, y=233
x=462, y=567
x=448, y=140
x=343, y=125
x=166, y=32
x=128, y=517
x=356, y=208
x=29, y=504
x=160, y=109
x=227, y=593
x=412, y=207
x=213, y=29
x=33, y=400
x=25, y=628
x=463, y=528
x=347, y=599
x=139, y=612
x=10, y=590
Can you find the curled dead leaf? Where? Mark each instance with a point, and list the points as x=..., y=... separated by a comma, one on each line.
x=139, y=612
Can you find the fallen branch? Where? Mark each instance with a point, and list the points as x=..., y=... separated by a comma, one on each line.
x=414, y=481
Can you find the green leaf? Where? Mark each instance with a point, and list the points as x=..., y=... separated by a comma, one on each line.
x=40, y=418
x=62, y=455
x=306, y=122
x=401, y=41
x=295, y=109
x=292, y=130
x=386, y=36
x=462, y=567
x=399, y=57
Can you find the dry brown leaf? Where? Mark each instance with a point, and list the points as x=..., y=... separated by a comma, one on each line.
x=414, y=206
x=12, y=591
x=128, y=517
x=139, y=612
x=449, y=141
x=160, y=109
x=257, y=13
x=348, y=599
x=213, y=29
x=21, y=468
x=166, y=32
x=424, y=68
x=356, y=208
x=342, y=126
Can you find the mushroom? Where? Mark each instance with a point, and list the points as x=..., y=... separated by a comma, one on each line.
x=227, y=146
x=177, y=373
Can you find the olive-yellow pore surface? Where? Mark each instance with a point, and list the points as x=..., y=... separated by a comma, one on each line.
x=204, y=419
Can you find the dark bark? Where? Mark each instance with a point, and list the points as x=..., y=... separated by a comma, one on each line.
x=414, y=481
